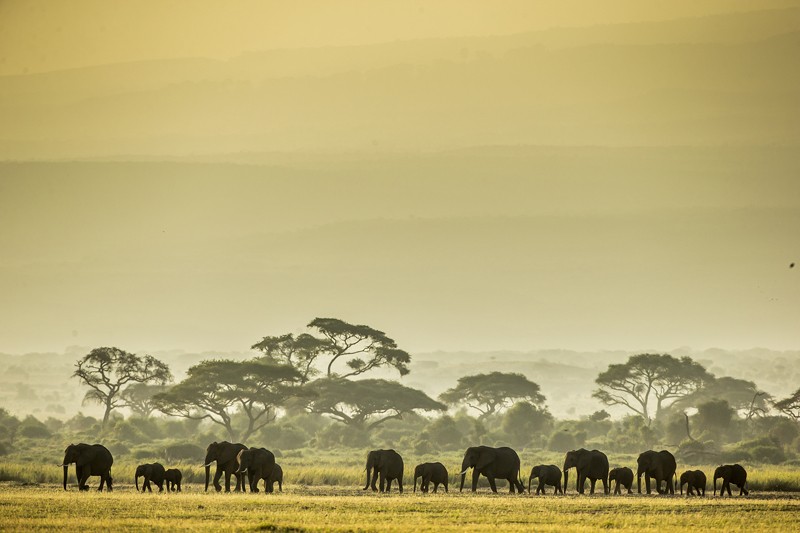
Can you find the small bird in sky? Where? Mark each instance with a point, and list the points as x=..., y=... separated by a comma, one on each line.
x=791, y=265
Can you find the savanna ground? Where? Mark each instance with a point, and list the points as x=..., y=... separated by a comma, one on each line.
x=305, y=508
x=327, y=496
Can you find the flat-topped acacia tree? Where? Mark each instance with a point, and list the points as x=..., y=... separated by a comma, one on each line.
x=107, y=370
x=489, y=393
x=340, y=350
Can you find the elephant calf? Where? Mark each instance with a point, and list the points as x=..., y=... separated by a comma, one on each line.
x=173, y=478
x=622, y=477
x=547, y=475
x=150, y=472
x=735, y=474
x=435, y=473
x=275, y=477
x=695, y=480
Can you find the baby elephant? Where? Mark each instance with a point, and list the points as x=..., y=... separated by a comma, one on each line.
x=173, y=478
x=622, y=476
x=695, y=480
x=275, y=476
x=434, y=473
x=548, y=475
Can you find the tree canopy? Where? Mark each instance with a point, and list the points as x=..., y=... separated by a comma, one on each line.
x=107, y=370
x=139, y=398
x=645, y=378
x=219, y=389
x=367, y=403
x=790, y=406
x=342, y=349
x=742, y=395
x=488, y=393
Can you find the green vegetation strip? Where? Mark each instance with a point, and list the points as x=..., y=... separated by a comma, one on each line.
x=327, y=509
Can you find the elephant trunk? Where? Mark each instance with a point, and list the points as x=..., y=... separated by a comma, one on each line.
x=463, y=477
x=369, y=469
x=66, y=469
x=529, y=484
x=208, y=474
x=415, y=483
x=137, y=482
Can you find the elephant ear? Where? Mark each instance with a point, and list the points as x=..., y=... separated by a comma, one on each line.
x=86, y=457
x=486, y=457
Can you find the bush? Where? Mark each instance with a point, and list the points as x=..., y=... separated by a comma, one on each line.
x=337, y=435
x=33, y=429
x=184, y=451
x=561, y=441
x=290, y=438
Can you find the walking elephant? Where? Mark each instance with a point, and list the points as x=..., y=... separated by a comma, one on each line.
x=150, y=472
x=623, y=477
x=173, y=477
x=695, y=480
x=434, y=473
x=224, y=454
x=547, y=475
x=275, y=477
x=256, y=464
x=386, y=464
x=588, y=464
x=735, y=474
x=90, y=460
x=660, y=466
x=494, y=463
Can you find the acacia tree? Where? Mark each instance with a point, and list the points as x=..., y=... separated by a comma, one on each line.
x=645, y=378
x=342, y=349
x=367, y=403
x=219, y=390
x=790, y=406
x=139, y=398
x=107, y=370
x=489, y=393
x=742, y=395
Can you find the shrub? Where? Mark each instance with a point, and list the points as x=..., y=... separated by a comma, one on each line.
x=561, y=441
x=184, y=451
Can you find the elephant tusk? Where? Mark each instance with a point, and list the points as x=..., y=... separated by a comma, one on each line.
x=209, y=464
x=464, y=472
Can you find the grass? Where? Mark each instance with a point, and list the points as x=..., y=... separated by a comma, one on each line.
x=303, y=508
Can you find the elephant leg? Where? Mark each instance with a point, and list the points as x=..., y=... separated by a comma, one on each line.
x=647, y=482
x=374, y=480
x=493, y=485
x=388, y=484
x=382, y=481
x=593, y=482
x=83, y=479
x=217, y=475
x=400, y=484
x=475, y=476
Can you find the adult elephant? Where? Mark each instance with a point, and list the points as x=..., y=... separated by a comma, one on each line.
x=695, y=480
x=588, y=464
x=224, y=454
x=660, y=466
x=256, y=464
x=90, y=460
x=735, y=474
x=623, y=477
x=547, y=475
x=173, y=477
x=386, y=464
x=494, y=463
x=151, y=472
x=434, y=473
x=275, y=477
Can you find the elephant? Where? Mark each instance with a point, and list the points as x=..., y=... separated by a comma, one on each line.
x=502, y=463
x=388, y=465
x=660, y=466
x=695, y=480
x=623, y=477
x=173, y=478
x=735, y=474
x=588, y=464
x=275, y=477
x=256, y=464
x=548, y=475
x=150, y=472
x=90, y=460
x=224, y=453
x=434, y=473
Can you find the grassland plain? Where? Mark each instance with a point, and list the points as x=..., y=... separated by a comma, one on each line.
x=350, y=509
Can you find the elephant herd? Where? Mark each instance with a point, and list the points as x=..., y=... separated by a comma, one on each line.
x=386, y=466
